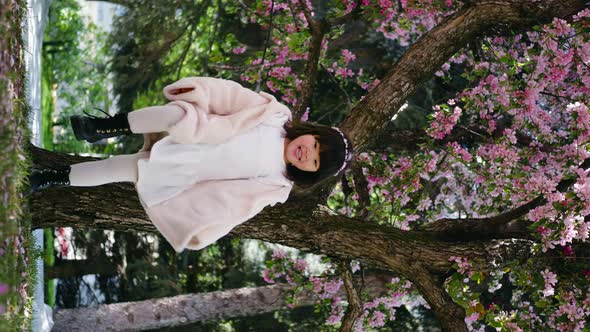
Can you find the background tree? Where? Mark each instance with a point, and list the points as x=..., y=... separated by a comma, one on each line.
x=186, y=309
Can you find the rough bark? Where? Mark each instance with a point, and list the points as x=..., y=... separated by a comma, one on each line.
x=113, y=206
x=448, y=313
x=382, y=246
x=173, y=311
x=354, y=309
x=190, y=308
x=361, y=186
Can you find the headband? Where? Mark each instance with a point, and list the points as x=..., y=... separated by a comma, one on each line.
x=347, y=155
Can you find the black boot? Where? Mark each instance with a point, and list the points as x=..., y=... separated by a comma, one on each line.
x=46, y=178
x=92, y=128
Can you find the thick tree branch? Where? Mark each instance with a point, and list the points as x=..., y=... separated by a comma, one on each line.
x=361, y=186
x=354, y=309
x=180, y=61
x=318, y=29
x=298, y=223
x=348, y=101
x=188, y=308
x=261, y=72
x=502, y=226
x=448, y=313
x=408, y=141
x=434, y=48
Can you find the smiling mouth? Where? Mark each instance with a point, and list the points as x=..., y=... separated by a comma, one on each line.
x=299, y=153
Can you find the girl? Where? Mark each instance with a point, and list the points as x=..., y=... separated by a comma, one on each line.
x=213, y=157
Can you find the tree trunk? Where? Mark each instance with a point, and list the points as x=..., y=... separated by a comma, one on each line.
x=191, y=308
x=79, y=267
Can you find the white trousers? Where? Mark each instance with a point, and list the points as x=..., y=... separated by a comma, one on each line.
x=123, y=168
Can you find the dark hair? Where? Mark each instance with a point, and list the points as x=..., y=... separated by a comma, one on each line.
x=332, y=152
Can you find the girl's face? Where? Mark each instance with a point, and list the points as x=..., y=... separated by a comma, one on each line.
x=303, y=153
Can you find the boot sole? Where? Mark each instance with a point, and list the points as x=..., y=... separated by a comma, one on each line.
x=39, y=181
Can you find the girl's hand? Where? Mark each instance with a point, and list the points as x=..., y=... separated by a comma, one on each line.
x=180, y=91
x=149, y=139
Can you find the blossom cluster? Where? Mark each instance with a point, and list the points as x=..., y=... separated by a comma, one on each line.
x=444, y=121
x=550, y=279
x=289, y=42
x=327, y=288
x=462, y=265
x=382, y=309
x=404, y=21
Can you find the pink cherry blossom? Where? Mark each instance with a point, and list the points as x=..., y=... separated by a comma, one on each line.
x=239, y=50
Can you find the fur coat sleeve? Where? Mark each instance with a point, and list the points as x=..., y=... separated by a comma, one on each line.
x=215, y=110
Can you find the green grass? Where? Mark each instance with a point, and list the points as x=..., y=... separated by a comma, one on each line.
x=49, y=260
x=47, y=109
x=17, y=256
x=47, y=106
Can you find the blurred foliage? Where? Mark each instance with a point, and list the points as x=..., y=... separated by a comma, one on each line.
x=75, y=67
x=156, y=43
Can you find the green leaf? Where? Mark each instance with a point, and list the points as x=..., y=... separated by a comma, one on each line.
x=541, y=303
